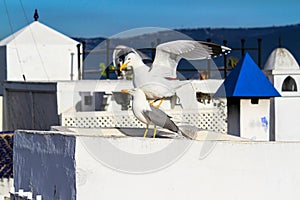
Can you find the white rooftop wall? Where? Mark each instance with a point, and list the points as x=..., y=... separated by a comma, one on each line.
x=73, y=166
x=68, y=92
x=40, y=54
x=255, y=119
x=287, y=119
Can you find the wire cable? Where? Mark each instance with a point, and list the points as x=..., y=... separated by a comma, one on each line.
x=34, y=41
x=13, y=35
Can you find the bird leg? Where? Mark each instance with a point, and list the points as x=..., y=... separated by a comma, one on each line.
x=146, y=131
x=161, y=101
x=152, y=102
x=154, y=133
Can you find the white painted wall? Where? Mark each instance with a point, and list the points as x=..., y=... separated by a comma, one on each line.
x=255, y=119
x=230, y=170
x=41, y=62
x=187, y=93
x=287, y=119
x=39, y=53
x=68, y=93
x=279, y=79
x=286, y=107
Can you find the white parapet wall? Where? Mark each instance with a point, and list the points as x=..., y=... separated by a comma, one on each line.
x=88, y=164
x=286, y=113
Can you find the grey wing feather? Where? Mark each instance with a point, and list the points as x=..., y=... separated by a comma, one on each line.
x=169, y=54
x=159, y=118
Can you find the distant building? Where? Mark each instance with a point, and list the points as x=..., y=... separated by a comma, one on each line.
x=283, y=71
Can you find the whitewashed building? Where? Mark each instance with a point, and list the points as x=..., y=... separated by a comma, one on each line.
x=37, y=53
x=283, y=71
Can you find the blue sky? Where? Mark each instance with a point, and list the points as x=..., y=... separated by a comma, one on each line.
x=92, y=18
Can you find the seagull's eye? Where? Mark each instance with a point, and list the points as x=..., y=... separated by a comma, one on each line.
x=128, y=58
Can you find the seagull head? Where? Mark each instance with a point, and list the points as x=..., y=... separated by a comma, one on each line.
x=131, y=59
x=134, y=92
x=138, y=97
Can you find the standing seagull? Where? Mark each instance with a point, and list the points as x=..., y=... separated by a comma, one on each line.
x=149, y=114
x=159, y=80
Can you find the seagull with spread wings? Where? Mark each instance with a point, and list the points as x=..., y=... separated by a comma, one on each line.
x=159, y=80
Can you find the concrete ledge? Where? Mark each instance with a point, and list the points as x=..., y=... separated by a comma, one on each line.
x=69, y=165
x=189, y=131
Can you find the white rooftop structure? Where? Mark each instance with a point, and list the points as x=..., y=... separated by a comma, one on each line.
x=283, y=71
x=38, y=53
x=281, y=59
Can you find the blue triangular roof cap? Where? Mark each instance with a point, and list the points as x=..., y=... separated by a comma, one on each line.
x=246, y=80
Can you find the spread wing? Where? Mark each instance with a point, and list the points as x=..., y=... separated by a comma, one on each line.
x=161, y=119
x=169, y=54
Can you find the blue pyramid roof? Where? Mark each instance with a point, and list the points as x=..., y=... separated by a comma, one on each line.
x=247, y=80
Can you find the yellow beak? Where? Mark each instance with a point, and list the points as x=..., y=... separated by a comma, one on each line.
x=125, y=91
x=123, y=66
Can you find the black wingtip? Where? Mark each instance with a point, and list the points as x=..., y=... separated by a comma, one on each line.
x=217, y=50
